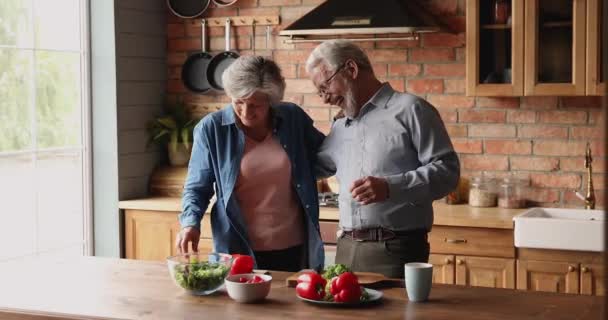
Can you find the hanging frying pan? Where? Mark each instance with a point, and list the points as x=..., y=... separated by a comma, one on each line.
x=187, y=8
x=194, y=70
x=224, y=3
x=220, y=62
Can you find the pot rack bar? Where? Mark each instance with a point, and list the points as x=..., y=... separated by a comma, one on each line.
x=240, y=21
x=292, y=40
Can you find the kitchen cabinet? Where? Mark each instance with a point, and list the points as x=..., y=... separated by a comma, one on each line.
x=150, y=235
x=540, y=49
x=481, y=257
x=560, y=271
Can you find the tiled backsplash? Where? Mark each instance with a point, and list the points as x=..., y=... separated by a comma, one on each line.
x=542, y=138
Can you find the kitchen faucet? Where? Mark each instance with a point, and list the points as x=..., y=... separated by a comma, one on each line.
x=589, y=198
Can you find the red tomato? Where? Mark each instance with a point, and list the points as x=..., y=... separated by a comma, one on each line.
x=241, y=264
x=242, y=279
x=255, y=279
x=309, y=291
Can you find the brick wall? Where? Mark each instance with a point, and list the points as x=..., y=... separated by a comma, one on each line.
x=542, y=138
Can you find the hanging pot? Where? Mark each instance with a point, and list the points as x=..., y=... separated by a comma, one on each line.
x=188, y=8
x=194, y=70
x=220, y=62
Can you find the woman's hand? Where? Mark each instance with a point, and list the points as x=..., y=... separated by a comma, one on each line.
x=185, y=236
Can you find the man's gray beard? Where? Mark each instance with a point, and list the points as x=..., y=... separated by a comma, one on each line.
x=350, y=103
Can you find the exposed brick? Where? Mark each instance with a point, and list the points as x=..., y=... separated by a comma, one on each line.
x=236, y=44
x=521, y=116
x=265, y=11
x=492, y=131
x=461, y=54
x=587, y=132
x=484, y=116
x=397, y=84
x=246, y=4
x=441, y=39
x=289, y=71
x=323, y=126
x=445, y=70
x=403, y=69
x=599, y=181
x=390, y=44
x=432, y=55
x=313, y=100
x=506, y=102
x=456, y=130
x=582, y=102
x=380, y=69
x=290, y=56
x=215, y=11
x=176, y=58
x=175, y=86
x=314, y=2
x=543, y=131
x=421, y=86
x=467, y=145
x=597, y=117
x=559, y=148
x=294, y=98
x=508, y=146
x=545, y=180
x=175, y=30
x=269, y=3
x=483, y=162
x=294, y=13
x=571, y=200
x=534, y=163
x=539, y=103
x=174, y=72
x=448, y=115
x=456, y=23
x=381, y=55
x=442, y=7
x=318, y=114
x=300, y=86
x=448, y=101
x=577, y=164
x=536, y=196
x=183, y=45
x=564, y=117
x=454, y=86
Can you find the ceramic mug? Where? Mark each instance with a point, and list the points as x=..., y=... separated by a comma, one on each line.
x=418, y=280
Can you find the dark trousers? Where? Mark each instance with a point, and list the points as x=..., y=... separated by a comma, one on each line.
x=385, y=257
x=289, y=259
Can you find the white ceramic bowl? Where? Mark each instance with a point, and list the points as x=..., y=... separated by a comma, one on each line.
x=248, y=292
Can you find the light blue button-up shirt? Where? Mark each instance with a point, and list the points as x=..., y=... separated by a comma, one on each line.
x=399, y=137
x=216, y=156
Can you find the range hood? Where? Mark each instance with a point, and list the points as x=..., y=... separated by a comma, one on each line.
x=340, y=18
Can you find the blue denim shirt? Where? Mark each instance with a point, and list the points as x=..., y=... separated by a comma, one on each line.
x=216, y=156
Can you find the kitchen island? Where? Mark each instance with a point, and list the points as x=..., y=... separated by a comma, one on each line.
x=108, y=288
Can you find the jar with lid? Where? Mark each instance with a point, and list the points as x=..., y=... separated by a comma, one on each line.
x=511, y=193
x=482, y=192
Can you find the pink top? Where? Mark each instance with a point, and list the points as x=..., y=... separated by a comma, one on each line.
x=265, y=195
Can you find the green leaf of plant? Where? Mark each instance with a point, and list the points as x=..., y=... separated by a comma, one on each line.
x=173, y=140
x=167, y=122
x=186, y=137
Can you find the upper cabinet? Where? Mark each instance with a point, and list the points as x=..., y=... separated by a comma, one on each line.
x=534, y=47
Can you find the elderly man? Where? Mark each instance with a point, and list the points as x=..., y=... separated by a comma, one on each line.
x=391, y=155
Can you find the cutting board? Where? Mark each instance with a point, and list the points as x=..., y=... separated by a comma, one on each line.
x=366, y=279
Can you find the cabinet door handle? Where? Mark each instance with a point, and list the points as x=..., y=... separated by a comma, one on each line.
x=459, y=261
x=448, y=261
x=571, y=268
x=455, y=240
x=585, y=269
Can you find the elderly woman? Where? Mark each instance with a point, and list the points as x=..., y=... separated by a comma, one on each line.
x=259, y=153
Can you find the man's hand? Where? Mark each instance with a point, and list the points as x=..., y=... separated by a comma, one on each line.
x=187, y=235
x=369, y=189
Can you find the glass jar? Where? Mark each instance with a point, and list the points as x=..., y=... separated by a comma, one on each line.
x=511, y=193
x=502, y=11
x=482, y=192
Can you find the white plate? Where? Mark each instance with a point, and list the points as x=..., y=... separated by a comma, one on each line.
x=374, y=296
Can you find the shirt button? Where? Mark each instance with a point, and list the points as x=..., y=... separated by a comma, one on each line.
x=285, y=146
x=307, y=206
x=298, y=185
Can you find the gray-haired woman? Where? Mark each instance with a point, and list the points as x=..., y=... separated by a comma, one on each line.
x=259, y=153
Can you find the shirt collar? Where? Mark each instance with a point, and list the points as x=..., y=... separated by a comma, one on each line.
x=379, y=99
x=229, y=116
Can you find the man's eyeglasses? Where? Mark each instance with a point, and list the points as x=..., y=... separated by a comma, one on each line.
x=323, y=87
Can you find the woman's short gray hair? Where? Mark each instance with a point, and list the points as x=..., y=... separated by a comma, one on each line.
x=334, y=53
x=249, y=74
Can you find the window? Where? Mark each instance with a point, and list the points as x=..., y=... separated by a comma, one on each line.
x=44, y=128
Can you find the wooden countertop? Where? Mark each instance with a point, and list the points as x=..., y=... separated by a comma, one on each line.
x=107, y=288
x=461, y=215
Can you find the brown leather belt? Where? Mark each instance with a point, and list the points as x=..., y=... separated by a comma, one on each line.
x=383, y=234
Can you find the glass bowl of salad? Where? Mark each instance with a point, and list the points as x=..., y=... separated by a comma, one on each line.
x=199, y=273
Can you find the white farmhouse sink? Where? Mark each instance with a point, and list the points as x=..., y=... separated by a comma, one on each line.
x=560, y=229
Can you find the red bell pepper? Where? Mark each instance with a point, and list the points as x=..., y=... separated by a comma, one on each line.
x=345, y=288
x=311, y=285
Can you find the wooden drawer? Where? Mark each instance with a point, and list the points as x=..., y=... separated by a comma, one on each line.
x=472, y=241
x=328, y=231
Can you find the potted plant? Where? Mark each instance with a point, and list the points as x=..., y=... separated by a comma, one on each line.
x=174, y=131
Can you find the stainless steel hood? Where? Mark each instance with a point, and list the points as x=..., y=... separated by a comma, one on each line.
x=362, y=17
